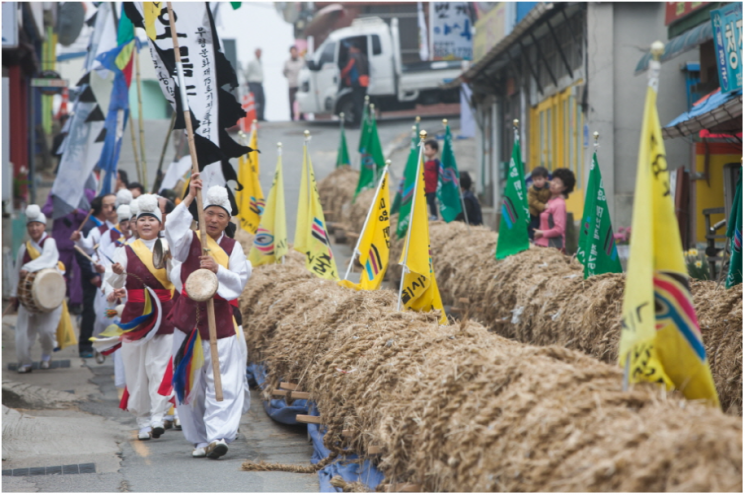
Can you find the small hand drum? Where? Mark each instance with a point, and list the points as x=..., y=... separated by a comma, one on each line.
x=201, y=285
x=42, y=291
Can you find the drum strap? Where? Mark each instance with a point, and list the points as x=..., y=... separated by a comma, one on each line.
x=146, y=257
x=34, y=253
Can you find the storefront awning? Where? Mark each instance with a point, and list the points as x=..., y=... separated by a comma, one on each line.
x=715, y=112
x=680, y=44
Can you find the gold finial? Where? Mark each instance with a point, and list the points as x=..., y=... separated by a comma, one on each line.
x=444, y=121
x=387, y=163
x=372, y=106
x=367, y=97
x=255, y=121
x=341, y=115
x=516, y=123
x=418, y=119
x=279, y=145
x=307, y=133
x=596, y=135
x=422, y=134
x=657, y=49
x=413, y=128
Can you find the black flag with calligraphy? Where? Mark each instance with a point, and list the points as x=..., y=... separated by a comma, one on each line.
x=209, y=78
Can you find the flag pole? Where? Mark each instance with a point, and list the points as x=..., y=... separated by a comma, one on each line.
x=457, y=182
x=375, y=166
x=422, y=137
x=657, y=49
x=279, y=154
x=307, y=162
x=134, y=147
x=159, y=172
x=140, y=117
x=356, y=252
x=200, y=213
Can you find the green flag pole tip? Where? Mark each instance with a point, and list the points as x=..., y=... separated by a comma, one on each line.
x=515, y=123
x=418, y=119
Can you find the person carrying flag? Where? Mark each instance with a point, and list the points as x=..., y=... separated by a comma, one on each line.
x=207, y=423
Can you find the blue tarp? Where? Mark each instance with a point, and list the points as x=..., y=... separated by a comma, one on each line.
x=347, y=467
x=277, y=409
x=711, y=102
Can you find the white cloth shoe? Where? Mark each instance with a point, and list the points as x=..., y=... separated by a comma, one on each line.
x=200, y=450
x=145, y=434
x=217, y=449
x=26, y=368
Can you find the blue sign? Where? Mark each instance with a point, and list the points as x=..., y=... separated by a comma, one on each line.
x=726, y=24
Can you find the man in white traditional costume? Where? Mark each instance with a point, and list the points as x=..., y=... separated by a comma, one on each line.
x=39, y=252
x=208, y=424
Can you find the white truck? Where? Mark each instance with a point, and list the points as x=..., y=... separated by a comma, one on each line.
x=393, y=85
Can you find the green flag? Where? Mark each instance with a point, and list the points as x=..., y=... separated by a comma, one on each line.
x=126, y=30
x=372, y=161
x=342, y=155
x=513, y=227
x=400, y=189
x=448, y=179
x=597, y=247
x=407, y=191
x=734, y=232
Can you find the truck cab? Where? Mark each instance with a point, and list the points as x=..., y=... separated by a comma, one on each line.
x=392, y=86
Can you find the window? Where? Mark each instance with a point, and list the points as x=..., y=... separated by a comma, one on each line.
x=328, y=54
x=377, y=49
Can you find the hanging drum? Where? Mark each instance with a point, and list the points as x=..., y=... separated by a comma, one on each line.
x=42, y=291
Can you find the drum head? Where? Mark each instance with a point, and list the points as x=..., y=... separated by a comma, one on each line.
x=49, y=289
x=201, y=285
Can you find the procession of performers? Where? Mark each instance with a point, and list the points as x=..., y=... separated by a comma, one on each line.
x=156, y=334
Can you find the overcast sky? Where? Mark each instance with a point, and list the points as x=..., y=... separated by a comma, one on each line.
x=256, y=25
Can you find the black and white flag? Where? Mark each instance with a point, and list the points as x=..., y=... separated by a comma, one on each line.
x=209, y=78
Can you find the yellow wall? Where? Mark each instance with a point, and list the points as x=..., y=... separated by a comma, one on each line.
x=711, y=195
x=556, y=141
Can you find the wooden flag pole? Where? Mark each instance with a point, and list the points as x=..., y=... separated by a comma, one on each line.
x=158, y=174
x=422, y=138
x=82, y=224
x=200, y=213
x=356, y=251
x=140, y=118
x=457, y=184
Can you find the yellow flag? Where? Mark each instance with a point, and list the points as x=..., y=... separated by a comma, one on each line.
x=311, y=238
x=419, y=288
x=250, y=199
x=270, y=243
x=660, y=333
x=375, y=242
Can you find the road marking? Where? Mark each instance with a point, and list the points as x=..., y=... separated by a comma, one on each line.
x=140, y=447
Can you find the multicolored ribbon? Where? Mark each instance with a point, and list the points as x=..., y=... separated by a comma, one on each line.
x=188, y=361
x=137, y=331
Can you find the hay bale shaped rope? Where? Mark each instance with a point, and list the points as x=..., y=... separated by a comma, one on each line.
x=456, y=408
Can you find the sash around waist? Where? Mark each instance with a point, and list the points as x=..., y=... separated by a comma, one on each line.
x=138, y=295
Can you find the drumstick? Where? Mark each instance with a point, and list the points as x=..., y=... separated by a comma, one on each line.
x=83, y=224
x=81, y=251
x=5, y=311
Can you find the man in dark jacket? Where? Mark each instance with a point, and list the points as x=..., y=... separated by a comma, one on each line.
x=356, y=74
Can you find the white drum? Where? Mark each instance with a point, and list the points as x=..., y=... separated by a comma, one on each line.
x=201, y=285
x=42, y=291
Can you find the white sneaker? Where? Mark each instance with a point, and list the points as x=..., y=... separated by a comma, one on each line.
x=217, y=449
x=145, y=434
x=200, y=450
x=158, y=429
x=45, y=364
x=26, y=368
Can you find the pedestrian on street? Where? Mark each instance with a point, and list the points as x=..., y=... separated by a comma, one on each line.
x=356, y=75
x=291, y=72
x=255, y=79
x=431, y=172
x=39, y=252
x=62, y=228
x=208, y=424
x=145, y=359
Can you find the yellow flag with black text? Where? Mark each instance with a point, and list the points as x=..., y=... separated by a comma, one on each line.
x=375, y=241
x=250, y=199
x=660, y=337
x=270, y=243
x=419, y=291
x=311, y=237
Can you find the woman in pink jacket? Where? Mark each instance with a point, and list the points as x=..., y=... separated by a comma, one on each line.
x=553, y=219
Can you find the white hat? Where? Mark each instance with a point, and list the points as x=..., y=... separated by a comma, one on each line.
x=123, y=212
x=218, y=196
x=123, y=197
x=148, y=205
x=134, y=207
x=34, y=214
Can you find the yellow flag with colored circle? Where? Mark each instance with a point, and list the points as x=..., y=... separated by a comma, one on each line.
x=250, y=198
x=270, y=243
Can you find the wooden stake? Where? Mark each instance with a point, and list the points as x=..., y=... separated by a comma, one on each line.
x=304, y=418
x=288, y=386
x=200, y=212
x=140, y=117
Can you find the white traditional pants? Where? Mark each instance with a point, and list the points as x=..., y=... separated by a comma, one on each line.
x=204, y=419
x=31, y=325
x=144, y=367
